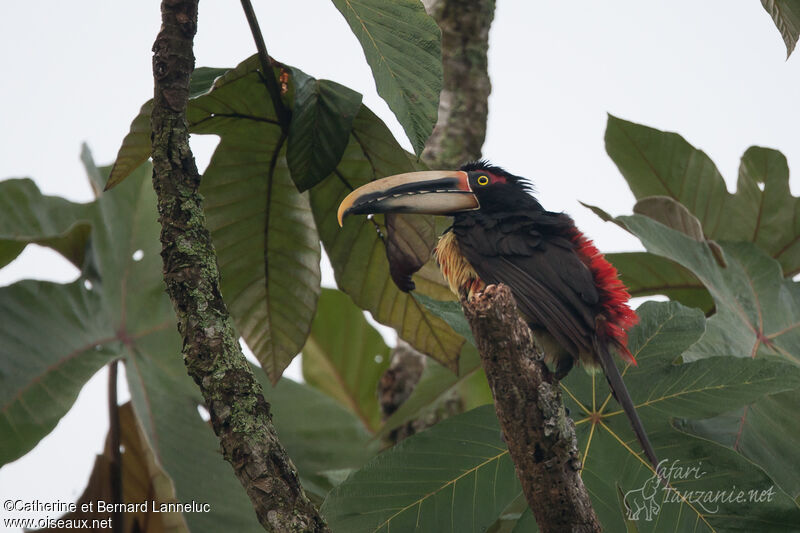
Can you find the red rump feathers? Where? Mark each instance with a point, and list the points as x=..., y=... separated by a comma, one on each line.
x=613, y=295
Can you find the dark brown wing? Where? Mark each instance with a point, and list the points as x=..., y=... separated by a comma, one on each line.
x=553, y=288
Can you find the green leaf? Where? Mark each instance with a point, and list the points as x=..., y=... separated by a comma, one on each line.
x=357, y=251
x=30, y=217
x=136, y=147
x=121, y=311
x=402, y=45
x=451, y=312
x=672, y=214
x=319, y=434
x=657, y=163
x=746, y=429
x=53, y=338
x=164, y=397
x=757, y=310
x=456, y=476
x=345, y=357
x=645, y=274
x=663, y=387
x=758, y=313
x=786, y=16
x=262, y=227
x=321, y=122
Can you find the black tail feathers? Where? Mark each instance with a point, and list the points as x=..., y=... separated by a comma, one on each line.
x=620, y=392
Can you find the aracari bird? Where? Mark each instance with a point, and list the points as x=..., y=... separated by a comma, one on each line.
x=569, y=294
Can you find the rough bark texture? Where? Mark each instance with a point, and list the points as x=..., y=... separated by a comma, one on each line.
x=397, y=384
x=464, y=103
x=239, y=414
x=539, y=434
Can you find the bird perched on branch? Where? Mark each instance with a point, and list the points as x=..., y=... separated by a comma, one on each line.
x=570, y=296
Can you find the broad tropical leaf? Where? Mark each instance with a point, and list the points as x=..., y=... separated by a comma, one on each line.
x=263, y=231
x=345, y=357
x=321, y=122
x=325, y=441
x=30, y=217
x=645, y=274
x=786, y=16
x=53, y=338
x=456, y=476
x=763, y=211
x=438, y=384
x=762, y=320
x=758, y=312
x=662, y=386
x=118, y=309
x=238, y=204
x=402, y=44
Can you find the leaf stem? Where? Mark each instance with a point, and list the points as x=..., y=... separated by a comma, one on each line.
x=284, y=116
x=114, y=445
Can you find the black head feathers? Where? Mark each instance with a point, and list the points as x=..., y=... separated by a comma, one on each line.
x=486, y=165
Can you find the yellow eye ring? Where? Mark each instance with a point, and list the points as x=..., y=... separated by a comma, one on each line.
x=483, y=180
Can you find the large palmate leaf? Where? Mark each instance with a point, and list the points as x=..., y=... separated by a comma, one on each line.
x=786, y=16
x=662, y=387
x=647, y=274
x=402, y=44
x=345, y=357
x=321, y=121
x=758, y=313
x=126, y=251
x=325, y=440
x=30, y=217
x=763, y=211
x=357, y=250
x=456, y=476
x=118, y=309
x=53, y=338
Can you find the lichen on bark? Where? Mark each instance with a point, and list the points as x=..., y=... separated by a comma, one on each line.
x=540, y=436
x=239, y=413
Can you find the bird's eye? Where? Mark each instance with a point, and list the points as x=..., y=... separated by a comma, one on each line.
x=483, y=180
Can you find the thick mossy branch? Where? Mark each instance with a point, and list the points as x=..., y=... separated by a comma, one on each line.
x=540, y=436
x=239, y=414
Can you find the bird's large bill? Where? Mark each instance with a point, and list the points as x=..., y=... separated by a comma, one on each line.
x=433, y=192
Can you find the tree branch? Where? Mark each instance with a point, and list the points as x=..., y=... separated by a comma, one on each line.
x=239, y=414
x=540, y=436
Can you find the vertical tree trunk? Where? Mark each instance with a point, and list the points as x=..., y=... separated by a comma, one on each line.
x=239, y=414
x=464, y=103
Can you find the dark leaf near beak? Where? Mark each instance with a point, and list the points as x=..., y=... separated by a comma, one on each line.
x=405, y=257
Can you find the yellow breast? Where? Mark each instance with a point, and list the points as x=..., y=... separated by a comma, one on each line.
x=460, y=275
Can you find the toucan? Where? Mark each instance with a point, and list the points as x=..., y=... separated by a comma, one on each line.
x=567, y=292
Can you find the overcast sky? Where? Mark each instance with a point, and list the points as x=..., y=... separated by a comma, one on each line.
x=713, y=71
